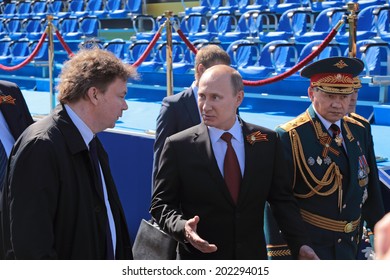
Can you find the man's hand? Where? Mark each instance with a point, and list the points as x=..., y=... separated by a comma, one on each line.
x=194, y=239
x=307, y=253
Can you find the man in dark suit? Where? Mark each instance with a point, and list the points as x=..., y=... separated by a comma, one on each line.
x=215, y=213
x=180, y=111
x=60, y=194
x=14, y=119
x=328, y=156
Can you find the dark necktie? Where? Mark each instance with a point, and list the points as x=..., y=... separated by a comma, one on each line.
x=335, y=133
x=95, y=160
x=3, y=164
x=231, y=168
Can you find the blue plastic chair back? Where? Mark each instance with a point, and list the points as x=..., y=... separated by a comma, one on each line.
x=117, y=47
x=90, y=26
x=134, y=6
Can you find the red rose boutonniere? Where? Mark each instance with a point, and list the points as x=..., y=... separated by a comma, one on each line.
x=7, y=99
x=256, y=136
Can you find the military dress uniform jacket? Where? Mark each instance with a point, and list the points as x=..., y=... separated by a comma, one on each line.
x=334, y=191
x=55, y=209
x=190, y=183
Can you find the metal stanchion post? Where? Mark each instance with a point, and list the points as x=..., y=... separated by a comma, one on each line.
x=168, y=28
x=353, y=8
x=51, y=60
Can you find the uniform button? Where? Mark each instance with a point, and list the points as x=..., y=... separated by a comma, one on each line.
x=352, y=238
x=339, y=240
x=361, y=205
x=344, y=206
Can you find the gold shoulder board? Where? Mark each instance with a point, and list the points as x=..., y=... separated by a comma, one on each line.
x=359, y=117
x=301, y=119
x=352, y=120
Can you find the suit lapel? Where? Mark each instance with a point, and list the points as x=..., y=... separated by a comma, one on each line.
x=250, y=159
x=205, y=150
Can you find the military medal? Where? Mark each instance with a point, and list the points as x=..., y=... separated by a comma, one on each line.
x=7, y=99
x=363, y=171
x=338, y=140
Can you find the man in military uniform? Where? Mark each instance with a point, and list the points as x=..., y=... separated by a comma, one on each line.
x=327, y=154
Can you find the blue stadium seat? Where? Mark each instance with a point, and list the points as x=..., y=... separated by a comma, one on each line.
x=76, y=8
x=179, y=64
x=280, y=6
x=228, y=5
x=24, y=9
x=70, y=28
x=114, y=9
x=324, y=23
x=116, y=46
x=260, y=66
x=40, y=9
x=34, y=28
x=3, y=30
x=10, y=10
x=56, y=7
x=332, y=49
x=191, y=25
x=20, y=51
x=220, y=23
x=319, y=6
x=375, y=55
x=96, y=8
x=367, y=3
x=203, y=8
x=151, y=63
x=292, y=23
x=5, y=51
x=90, y=26
x=250, y=24
x=134, y=6
x=249, y=5
x=382, y=20
x=15, y=28
x=365, y=26
x=145, y=27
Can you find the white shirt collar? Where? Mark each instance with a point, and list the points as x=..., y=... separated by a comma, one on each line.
x=235, y=130
x=84, y=130
x=325, y=122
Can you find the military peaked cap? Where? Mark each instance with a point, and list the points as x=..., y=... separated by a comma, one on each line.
x=337, y=75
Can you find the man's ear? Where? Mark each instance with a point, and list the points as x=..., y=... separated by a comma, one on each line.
x=92, y=94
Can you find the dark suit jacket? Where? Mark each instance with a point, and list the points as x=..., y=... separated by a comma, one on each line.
x=189, y=183
x=17, y=116
x=56, y=211
x=178, y=112
x=18, y=119
x=360, y=198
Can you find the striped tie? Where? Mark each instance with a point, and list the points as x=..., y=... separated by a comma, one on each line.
x=3, y=163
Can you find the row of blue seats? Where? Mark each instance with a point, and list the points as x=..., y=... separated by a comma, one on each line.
x=76, y=8
x=32, y=28
x=276, y=6
x=296, y=25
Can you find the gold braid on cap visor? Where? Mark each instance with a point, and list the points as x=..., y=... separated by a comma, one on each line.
x=340, y=84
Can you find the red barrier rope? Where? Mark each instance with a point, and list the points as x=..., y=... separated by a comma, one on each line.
x=148, y=49
x=298, y=66
x=64, y=45
x=28, y=59
x=186, y=41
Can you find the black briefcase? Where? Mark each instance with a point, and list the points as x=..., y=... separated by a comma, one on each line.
x=151, y=243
